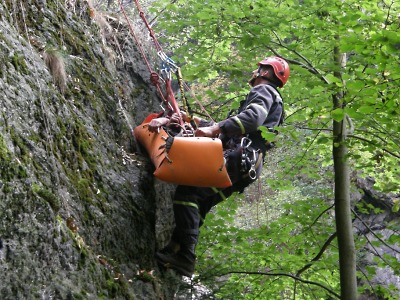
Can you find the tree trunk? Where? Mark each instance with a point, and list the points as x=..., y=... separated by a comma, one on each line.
x=344, y=228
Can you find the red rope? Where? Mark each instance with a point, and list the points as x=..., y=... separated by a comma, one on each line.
x=154, y=76
x=151, y=31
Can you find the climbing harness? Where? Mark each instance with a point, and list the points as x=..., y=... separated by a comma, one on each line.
x=178, y=157
x=249, y=158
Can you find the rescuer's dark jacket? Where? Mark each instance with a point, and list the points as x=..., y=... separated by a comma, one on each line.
x=263, y=106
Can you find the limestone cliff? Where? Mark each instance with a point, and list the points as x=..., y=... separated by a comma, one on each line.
x=78, y=210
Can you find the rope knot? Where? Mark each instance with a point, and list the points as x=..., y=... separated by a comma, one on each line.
x=154, y=78
x=151, y=33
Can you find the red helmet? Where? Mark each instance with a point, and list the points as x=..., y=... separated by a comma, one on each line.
x=280, y=66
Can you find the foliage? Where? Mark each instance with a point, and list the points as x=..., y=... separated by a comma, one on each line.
x=215, y=40
x=268, y=255
x=218, y=43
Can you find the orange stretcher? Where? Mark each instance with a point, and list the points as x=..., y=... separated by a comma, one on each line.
x=193, y=161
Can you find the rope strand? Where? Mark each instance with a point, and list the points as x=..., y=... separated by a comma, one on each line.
x=154, y=77
x=167, y=64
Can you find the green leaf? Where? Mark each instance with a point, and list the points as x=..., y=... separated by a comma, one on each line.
x=366, y=109
x=396, y=205
x=338, y=114
x=266, y=134
x=332, y=79
x=323, y=140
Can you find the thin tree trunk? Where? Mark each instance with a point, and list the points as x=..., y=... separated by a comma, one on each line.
x=344, y=228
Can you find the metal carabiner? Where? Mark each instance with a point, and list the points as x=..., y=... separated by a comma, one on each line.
x=242, y=146
x=245, y=142
x=168, y=63
x=252, y=171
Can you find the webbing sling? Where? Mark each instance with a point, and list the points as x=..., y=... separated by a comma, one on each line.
x=185, y=203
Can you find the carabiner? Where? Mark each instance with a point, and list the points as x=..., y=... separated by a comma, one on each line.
x=168, y=63
x=252, y=174
x=252, y=171
x=245, y=142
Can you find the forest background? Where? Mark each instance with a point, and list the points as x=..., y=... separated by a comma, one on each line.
x=291, y=236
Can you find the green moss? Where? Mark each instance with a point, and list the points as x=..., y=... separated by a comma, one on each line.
x=61, y=126
x=1, y=59
x=84, y=190
x=136, y=92
x=4, y=153
x=117, y=287
x=7, y=188
x=83, y=258
x=77, y=46
x=48, y=196
x=81, y=296
x=9, y=167
x=84, y=145
x=21, y=172
x=33, y=137
x=37, y=167
x=19, y=142
x=18, y=61
x=112, y=287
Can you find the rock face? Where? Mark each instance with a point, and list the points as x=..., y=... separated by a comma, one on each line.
x=377, y=221
x=79, y=213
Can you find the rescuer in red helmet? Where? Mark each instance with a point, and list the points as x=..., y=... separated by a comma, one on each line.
x=244, y=149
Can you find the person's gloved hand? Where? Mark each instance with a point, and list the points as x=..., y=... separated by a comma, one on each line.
x=176, y=119
x=155, y=124
x=210, y=131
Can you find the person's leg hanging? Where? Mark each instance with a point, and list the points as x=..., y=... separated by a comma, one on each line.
x=186, y=232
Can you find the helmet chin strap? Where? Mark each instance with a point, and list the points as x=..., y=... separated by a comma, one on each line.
x=252, y=79
x=258, y=75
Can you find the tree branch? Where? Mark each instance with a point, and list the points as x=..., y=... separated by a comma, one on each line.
x=373, y=233
x=305, y=151
x=319, y=254
x=354, y=137
x=286, y=275
x=308, y=65
x=324, y=211
x=373, y=143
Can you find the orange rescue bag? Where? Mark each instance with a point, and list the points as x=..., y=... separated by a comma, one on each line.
x=194, y=161
x=154, y=143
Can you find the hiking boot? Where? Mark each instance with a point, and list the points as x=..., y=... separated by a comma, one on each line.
x=183, y=262
x=171, y=248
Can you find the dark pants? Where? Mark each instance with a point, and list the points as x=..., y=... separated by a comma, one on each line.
x=191, y=204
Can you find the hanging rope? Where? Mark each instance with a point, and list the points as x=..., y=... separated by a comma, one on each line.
x=167, y=67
